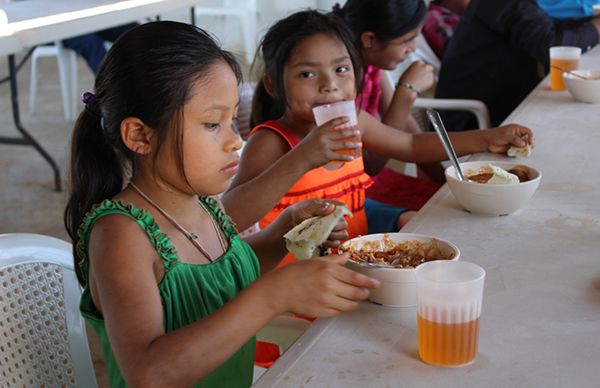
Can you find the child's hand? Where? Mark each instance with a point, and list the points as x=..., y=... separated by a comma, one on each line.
x=319, y=207
x=321, y=287
x=420, y=75
x=322, y=144
x=501, y=138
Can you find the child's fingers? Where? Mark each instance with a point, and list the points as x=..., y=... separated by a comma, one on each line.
x=332, y=155
x=344, y=133
x=338, y=121
x=345, y=145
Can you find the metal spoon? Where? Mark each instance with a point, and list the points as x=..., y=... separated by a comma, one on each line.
x=569, y=72
x=371, y=265
x=436, y=120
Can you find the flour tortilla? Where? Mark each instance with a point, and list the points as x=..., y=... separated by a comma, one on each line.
x=520, y=151
x=305, y=238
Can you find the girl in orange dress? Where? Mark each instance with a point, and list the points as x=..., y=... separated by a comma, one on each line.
x=310, y=60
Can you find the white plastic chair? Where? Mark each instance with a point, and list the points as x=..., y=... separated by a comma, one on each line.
x=67, y=71
x=43, y=340
x=478, y=108
x=245, y=11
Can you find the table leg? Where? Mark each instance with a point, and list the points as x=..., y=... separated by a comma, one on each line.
x=26, y=138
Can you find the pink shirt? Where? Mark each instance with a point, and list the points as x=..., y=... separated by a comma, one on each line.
x=368, y=99
x=439, y=27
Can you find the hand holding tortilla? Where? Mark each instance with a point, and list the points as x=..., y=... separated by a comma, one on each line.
x=306, y=238
x=520, y=151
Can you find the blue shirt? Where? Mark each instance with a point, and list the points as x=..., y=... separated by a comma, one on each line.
x=568, y=9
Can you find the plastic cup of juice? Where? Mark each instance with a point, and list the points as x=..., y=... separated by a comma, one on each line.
x=449, y=296
x=324, y=113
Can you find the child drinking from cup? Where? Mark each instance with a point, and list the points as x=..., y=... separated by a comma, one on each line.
x=171, y=290
x=310, y=60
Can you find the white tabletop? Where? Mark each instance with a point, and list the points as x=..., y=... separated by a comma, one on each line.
x=34, y=22
x=540, y=325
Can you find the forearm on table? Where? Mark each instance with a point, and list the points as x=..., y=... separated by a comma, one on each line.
x=248, y=202
x=427, y=148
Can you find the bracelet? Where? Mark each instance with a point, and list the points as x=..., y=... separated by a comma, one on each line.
x=410, y=87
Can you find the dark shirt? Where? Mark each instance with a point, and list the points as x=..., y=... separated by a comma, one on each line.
x=500, y=52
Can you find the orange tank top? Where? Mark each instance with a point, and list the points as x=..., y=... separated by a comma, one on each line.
x=347, y=184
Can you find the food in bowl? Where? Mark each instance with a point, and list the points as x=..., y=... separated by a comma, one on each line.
x=494, y=175
x=493, y=199
x=585, y=90
x=404, y=254
x=397, y=285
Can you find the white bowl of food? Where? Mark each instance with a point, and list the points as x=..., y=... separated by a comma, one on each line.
x=487, y=191
x=392, y=258
x=584, y=90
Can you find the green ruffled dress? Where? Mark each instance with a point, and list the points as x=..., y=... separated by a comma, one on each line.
x=188, y=292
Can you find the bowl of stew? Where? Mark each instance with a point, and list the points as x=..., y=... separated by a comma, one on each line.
x=392, y=258
x=480, y=195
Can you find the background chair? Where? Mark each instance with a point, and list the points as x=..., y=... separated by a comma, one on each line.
x=67, y=71
x=245, y=11
x=43, y=340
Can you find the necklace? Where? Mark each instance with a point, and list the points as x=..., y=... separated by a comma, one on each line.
x=192, y=237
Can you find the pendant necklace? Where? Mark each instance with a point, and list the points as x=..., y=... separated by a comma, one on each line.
x=192, y=237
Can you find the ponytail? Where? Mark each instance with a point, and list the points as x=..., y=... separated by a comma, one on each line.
x=264, y=107
x=95, y=173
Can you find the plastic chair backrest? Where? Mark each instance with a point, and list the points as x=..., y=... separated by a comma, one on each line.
x=43, y=340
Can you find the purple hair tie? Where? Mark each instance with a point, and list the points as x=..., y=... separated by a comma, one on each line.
x=91, y=105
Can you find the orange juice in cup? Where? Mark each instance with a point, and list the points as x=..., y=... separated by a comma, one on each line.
x=449, y=296
x=324, y=113
x=562, y=58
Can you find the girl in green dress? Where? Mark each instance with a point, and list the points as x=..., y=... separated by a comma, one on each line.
x=173, y=293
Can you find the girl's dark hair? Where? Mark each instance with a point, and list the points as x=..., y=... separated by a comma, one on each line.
x=276, y=47
x=148, y=73
x=387, y=19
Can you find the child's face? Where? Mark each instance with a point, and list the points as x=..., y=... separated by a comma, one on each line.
x=318, y=71
x=210, y=143
x=389, y=55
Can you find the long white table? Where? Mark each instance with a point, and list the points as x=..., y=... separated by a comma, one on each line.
x=35, y=22
x=540, y=325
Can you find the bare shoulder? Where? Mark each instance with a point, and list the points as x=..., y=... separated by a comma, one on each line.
x=262, y=150
x=118, y=243
x=265, y=144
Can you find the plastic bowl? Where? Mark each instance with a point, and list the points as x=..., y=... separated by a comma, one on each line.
x=581, y=89
x=492, y=199
x=398, y=286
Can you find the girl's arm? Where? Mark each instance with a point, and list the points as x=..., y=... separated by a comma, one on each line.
x=125, y=270
x=266, y=172
x=426, y=147
x=395, y=110
x=268, y=168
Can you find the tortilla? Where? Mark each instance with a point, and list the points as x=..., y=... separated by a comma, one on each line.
x=520, y=151
x=304, y=239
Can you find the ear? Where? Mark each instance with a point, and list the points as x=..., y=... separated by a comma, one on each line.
x=368, y=39
x=136, y=135
x=266, y=80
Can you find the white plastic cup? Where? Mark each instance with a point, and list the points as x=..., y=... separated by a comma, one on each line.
x=449, y=296
x=562, y=58
x=324, y=113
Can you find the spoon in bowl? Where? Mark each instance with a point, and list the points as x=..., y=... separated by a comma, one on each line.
x=569, y=72
x=438, y=125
